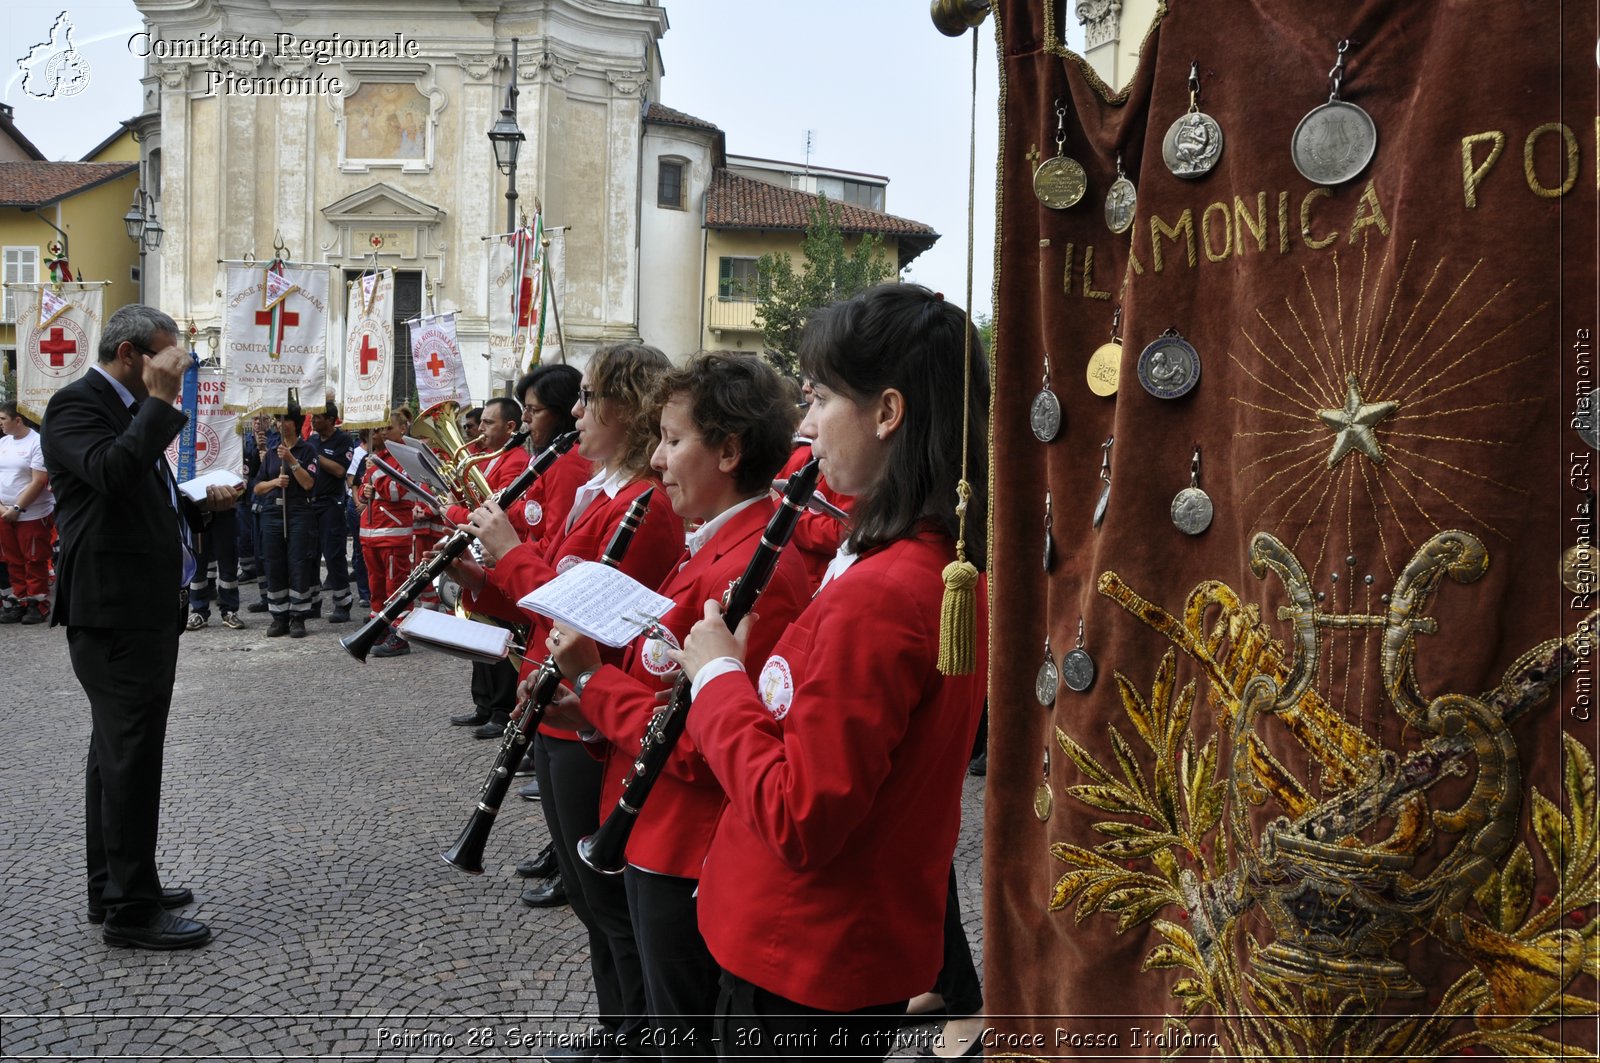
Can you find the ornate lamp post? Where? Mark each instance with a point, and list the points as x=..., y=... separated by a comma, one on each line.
x=507, y=139
x=144, y=229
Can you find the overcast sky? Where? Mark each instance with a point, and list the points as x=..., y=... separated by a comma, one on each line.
x=880, y=89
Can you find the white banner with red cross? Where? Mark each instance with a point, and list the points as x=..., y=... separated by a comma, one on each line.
x=217, y=444
x=436, y=358
x=57, y=334
x=368, y=370
x=275, y=335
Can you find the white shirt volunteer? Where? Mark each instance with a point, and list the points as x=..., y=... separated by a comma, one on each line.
x=19, y=460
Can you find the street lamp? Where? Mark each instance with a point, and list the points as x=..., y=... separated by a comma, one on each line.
x=507, y=139
x=144, y=229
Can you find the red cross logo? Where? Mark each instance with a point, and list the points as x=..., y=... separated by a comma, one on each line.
x=435, y=363
x=58, y=347
x=287, y=319
x=200, y=446
x=369, y=354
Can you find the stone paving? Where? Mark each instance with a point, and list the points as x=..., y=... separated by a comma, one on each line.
x=306, y=800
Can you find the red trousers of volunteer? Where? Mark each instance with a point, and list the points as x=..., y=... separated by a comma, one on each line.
x=25, y=548
x=387, y=568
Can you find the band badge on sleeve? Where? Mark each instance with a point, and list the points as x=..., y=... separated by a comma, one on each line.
x=532, y=513
x=567, y=562
x=776, y=687
x=654, y=654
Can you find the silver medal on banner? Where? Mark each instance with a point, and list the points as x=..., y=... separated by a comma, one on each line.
x=1193, y=143
x=1334, y=142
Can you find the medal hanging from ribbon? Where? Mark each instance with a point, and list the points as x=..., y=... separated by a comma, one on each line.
x=191, y=410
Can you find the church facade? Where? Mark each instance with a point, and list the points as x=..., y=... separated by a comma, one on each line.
x=327, y=134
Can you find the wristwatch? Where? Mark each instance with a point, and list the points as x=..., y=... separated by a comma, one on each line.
x=582, y=681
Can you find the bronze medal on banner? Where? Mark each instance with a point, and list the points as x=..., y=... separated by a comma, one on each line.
x=1193, y=143
x=1060, y=182
x=1334, y=142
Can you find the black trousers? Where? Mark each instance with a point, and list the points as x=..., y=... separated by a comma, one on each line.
x=680, y=976
x=128, y=677
x=958, y=978
x=494, y=687
x=333, y=542
x=569, y=793
x=752, y=1023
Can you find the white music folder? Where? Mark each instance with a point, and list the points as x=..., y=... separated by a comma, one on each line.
x=457, y=636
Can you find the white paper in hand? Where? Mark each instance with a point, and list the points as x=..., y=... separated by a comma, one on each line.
x=598, y=601
x=457, y=635
x=195, y=490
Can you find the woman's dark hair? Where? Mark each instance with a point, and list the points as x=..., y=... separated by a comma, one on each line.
x=556, y=388
x=627, y=375
x=906, y=337
x=736, y=396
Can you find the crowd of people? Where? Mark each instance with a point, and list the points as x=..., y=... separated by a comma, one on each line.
x=814, y=775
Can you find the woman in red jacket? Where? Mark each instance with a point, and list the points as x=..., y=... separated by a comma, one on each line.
x=823, y=893
x=724, y=433
x=616, y=434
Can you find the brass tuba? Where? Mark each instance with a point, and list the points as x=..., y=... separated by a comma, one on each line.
x=440, y=428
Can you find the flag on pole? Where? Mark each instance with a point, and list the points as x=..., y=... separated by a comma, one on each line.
x=274, y=334
x=521, y=291
x=191, y=409
x=368, y=372
x=436, y=358
x=217, y=443
x=59, y=331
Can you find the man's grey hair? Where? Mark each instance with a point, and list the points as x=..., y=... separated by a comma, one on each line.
x=136, y=324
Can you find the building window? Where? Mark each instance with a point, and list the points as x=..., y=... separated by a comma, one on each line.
x=737, y=279
x=21, y=267
x=863, y=195
x=669, y=184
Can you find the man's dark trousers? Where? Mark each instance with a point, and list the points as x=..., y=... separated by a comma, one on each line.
x=128, y=677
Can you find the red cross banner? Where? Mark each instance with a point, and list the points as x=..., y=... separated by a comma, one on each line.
x=368, y=372
x=436, y=357
x=274, y=334
x=58, y=333
x=217, y=444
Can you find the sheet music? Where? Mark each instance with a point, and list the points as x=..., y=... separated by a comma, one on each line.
x=195, y=490
x=414, y=465
x=598, y=600
x=457, y=634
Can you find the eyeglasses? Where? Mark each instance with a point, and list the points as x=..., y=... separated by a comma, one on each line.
x=587, y=396
x=141, y=347
x=533, y=411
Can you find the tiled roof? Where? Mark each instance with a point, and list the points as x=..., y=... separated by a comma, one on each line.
x=668, y=116
x=37, y=184
x=737, y=202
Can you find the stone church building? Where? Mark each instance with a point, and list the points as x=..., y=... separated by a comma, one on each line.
x=245, y=138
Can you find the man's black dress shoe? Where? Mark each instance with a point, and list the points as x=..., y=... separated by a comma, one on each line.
x=494, y=728
x=530, y=792
x=165, y=931
x=475, y=718
x=176, y=897
x=551, y=894
x=541, y=866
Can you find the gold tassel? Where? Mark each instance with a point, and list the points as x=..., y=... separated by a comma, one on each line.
x=958, y=618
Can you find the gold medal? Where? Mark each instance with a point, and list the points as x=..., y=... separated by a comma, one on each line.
x=1060, y=182
x=1044, y=799
x=1105, y=364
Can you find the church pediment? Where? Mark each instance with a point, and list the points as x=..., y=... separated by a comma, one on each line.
x=382, y=202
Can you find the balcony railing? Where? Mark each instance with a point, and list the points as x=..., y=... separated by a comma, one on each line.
x=736, y=314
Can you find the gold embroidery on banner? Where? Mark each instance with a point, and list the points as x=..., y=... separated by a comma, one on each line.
x=1292, y=927
x=1570, y=161
x=1472, y=176
x=1160, y=229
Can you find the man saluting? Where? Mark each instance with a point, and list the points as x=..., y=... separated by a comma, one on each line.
x=127, y=553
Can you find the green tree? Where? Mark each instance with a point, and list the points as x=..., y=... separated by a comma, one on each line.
x=786, y=295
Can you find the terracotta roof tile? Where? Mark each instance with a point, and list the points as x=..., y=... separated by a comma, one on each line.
x=668, y=116
x=737, y=202
x=36, y=184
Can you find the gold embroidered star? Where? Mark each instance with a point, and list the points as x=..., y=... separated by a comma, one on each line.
x=1354, y=425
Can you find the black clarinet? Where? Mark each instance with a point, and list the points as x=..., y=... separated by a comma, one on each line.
x=451, y=547
x=467, y=853
x=605, y=850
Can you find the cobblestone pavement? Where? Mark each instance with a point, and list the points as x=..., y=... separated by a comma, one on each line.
x=306, y=800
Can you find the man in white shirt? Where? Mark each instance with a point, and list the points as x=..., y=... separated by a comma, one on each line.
x=27, y=522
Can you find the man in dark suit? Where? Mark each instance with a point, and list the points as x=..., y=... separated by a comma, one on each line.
x=127, y=548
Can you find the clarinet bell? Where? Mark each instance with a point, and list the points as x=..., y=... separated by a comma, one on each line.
x=360, y=642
